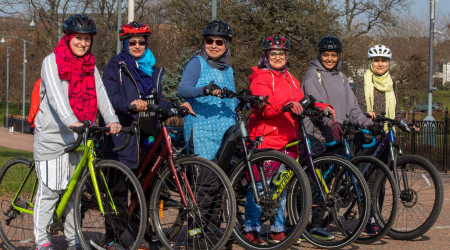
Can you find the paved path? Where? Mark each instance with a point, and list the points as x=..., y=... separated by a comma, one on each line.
x=17, y=140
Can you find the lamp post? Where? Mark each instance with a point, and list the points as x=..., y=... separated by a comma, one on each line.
x=24, y=71
x=32, y=26
x=119, y=23
x=7, y=82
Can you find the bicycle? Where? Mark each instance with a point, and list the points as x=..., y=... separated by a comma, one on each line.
x=338, y=188
x=174, y=206
x=92, y=184
x=253, y=163
x=385, y=205
x=414, y=176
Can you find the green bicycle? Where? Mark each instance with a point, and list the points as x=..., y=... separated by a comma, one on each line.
x=92, y=185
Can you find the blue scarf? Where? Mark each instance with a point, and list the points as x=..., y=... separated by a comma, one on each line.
x=142, y=74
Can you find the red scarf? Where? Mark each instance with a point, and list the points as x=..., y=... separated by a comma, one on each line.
x=79, y=72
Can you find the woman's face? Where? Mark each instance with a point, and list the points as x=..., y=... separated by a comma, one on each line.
x=215, y=46
x=330, y=59
x=277, y=58
x=380, y=65
x=80, y=44
x=136, y=46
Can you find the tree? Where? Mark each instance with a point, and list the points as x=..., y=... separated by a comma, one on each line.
x=171, y=80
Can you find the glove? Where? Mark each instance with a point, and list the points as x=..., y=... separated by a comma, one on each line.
x=295, y=107
x=208, y=89
x=375, y=129
x=336, y=130
x=330, y=111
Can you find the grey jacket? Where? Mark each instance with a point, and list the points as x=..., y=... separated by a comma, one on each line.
x=332, y=88
x=52, y=133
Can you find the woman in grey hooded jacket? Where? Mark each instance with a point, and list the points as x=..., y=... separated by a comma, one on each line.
x=328, y=84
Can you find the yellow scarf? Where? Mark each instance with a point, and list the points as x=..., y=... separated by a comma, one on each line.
x=383, y=84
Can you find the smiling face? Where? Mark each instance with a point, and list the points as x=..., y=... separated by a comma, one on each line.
x=80, y=44
x=277, y=58
x=136, y=49
x=330, y=59
x=213, y=50
x=380, y=65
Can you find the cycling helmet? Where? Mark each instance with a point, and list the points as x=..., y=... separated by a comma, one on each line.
x=134, y=29
x=80, y=24
x=218, y=28
x=379, y=51
x=330, y=43
x=276, y=42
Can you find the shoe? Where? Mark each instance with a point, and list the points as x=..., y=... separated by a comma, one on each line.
x=144, y=246
x=321, y=234
x=299, y=240
x=255, y=239
x=75, y=247
x=276, y=238
x=46, y=246
x=370, y=229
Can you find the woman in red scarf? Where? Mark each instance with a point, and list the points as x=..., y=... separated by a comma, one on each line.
x=71, y=91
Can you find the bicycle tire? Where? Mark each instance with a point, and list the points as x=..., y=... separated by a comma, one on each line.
x=165, y=203
x=298, y=184
x=93, y=236
x=12, y=176
x=409, y=232
x=364, y=205
x=382, y=219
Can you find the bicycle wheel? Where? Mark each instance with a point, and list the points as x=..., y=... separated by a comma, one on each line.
x=384, y=198
x=205, y=225
x=271, y=214
x=345, y=212
x=421, y=201
x=91, y=225
x=16, y=227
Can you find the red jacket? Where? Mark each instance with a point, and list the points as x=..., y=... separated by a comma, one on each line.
x=35, y=101
x=278, y=128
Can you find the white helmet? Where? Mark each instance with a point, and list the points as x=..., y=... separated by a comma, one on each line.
x=379, y=51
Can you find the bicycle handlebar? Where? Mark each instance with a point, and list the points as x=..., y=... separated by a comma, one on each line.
x=244, y=96
x=86, y=129
x=175, y=111
x=381, y=119
x=349, y=129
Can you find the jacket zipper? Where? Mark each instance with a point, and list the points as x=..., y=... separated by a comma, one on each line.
x=135, y=84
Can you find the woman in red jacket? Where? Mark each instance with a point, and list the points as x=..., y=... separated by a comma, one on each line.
x=271, y=77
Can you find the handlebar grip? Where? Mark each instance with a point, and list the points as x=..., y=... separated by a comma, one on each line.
x=124, y=145
x=367, y=115
x=365, y=131
x=132, y=106
x=77, y=143
x=374, y=141
x=330, y=144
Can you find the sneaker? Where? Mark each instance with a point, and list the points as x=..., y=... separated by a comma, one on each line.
x=276, y=238
x=321, y=234
x=255, y=239
x=144, y=246
x=46, y=246
x=370, y=229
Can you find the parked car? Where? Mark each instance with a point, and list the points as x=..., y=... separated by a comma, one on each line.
x=423, y=107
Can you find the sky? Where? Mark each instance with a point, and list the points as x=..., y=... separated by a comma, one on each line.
x=418, y=6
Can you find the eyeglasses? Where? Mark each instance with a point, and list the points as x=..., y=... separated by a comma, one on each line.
x=210, y=41
x=133, y=43
x=275, y=54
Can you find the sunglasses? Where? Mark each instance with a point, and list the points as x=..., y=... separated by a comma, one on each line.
x=133, y=43
x=210, y=41
x=275, y=54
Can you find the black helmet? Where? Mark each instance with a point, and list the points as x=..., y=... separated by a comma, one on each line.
x=218, y=28
x=80, y=24
x=276, y=42
x=330, y=43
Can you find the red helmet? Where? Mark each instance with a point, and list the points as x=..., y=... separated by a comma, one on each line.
x=276, y=42
x=134, y=29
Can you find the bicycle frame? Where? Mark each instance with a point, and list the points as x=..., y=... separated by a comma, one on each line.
x=166, y=153
x=88, y=157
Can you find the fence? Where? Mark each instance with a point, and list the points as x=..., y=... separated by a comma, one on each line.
x=413, y=143
x=18, y=127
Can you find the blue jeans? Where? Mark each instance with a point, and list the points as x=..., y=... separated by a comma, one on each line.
x=253, y=211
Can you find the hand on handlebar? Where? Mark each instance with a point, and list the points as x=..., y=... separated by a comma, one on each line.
x=188, y=106
x=329, y=111
x=76, y=124
x=114, y=128
x=294, y=107
x=372, y=115
x=140, y=105
x=212, y=89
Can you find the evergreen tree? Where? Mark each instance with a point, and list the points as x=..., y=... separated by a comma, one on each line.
x=171, y=80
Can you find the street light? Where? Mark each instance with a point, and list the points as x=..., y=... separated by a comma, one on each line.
x=32, y=25
x=24, y=70
x=7, y=79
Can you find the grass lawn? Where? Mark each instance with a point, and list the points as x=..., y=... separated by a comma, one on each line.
x=13, y=179
x=13, y=109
